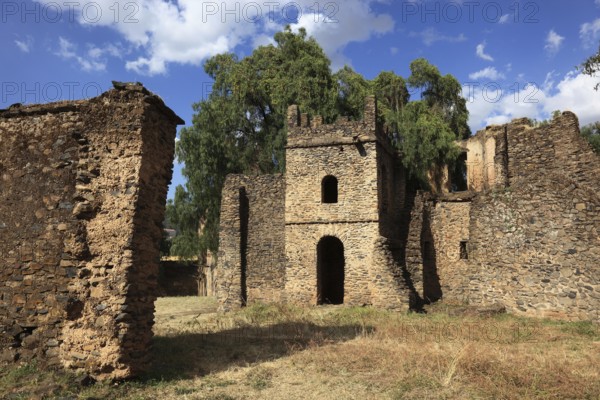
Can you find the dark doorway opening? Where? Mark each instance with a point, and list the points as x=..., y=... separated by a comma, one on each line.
x=458, y=174
x=330, y=271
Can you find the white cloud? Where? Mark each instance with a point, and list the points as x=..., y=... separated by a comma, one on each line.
x=487, y=73
x=431, y=35
x=189, y=31
x=590, y=33
x=25, y=45
x=553, y=42
x=351, y=21
x=549, y=81
x=393, y=51
x=109, y=49
x=597, y=2
x=494, y=104
x=68, y=51
x=480, y=51
x=504, y=19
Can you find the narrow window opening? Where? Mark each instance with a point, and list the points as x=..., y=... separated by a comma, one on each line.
x=329, y=189
x=464, y=253
x=458, y=174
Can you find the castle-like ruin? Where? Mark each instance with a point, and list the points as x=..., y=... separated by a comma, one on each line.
x=82, y=199
x=344, y=226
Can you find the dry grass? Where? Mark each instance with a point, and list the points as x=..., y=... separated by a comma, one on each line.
x=282, y=352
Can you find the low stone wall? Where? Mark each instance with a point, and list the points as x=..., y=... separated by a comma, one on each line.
x=84, y=186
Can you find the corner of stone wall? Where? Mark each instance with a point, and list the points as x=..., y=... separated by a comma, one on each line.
x=388, y=285
x=228, y=285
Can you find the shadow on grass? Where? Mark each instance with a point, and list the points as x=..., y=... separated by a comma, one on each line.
x=197, y=354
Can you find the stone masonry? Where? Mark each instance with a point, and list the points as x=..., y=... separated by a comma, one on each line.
x=524, y=234
x=82, y=197
x=273, y=227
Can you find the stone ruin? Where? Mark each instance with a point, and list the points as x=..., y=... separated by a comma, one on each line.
x=82, y=199
x=515, y=223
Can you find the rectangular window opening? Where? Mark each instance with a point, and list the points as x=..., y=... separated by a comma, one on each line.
x=464, y=253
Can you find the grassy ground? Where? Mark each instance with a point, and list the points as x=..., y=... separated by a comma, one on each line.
x=282, y=352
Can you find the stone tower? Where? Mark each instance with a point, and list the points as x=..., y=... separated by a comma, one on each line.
x=344, y=194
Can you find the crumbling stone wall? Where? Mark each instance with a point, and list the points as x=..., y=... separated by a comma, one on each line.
x=532, y=232
x=524, y=234
x=84, y=186
x=251, y=241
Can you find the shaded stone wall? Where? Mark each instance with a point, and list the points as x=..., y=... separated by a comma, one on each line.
x=251, y=241
x=84, y=187
x=180, y=278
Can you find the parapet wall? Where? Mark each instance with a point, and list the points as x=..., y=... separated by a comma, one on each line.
x=251, y=241
x=82, y=201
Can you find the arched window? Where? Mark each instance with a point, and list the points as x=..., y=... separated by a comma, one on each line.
x=329, y=189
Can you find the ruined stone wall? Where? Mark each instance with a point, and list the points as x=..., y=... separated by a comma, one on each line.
x=446, y=271
x=541, y=243
x=82, y=202
x=533, y=236
x=251, y=262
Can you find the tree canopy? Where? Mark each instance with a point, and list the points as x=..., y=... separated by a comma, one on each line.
x=240, y=127
x=592, y=133
x=591, y=66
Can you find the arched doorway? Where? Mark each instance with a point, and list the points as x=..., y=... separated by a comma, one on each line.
x=330, y=271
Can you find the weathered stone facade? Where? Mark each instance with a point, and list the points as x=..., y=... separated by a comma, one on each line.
x=524, y=233
x=272, y=228
x=84, y=186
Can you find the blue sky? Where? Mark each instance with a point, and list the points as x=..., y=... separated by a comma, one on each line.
x=514, y=58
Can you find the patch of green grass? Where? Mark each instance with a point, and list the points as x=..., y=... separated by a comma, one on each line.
x=581, y=328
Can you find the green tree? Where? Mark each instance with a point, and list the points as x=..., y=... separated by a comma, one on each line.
x=392, y=95
x=592, y=133
x=240, y=127
x=591, y=66
x=441, y=93
x=426, y=140
x=353, y=88
x=183, y=216
x=426, y=129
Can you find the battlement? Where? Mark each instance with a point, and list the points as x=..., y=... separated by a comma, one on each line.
x=311, y=132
